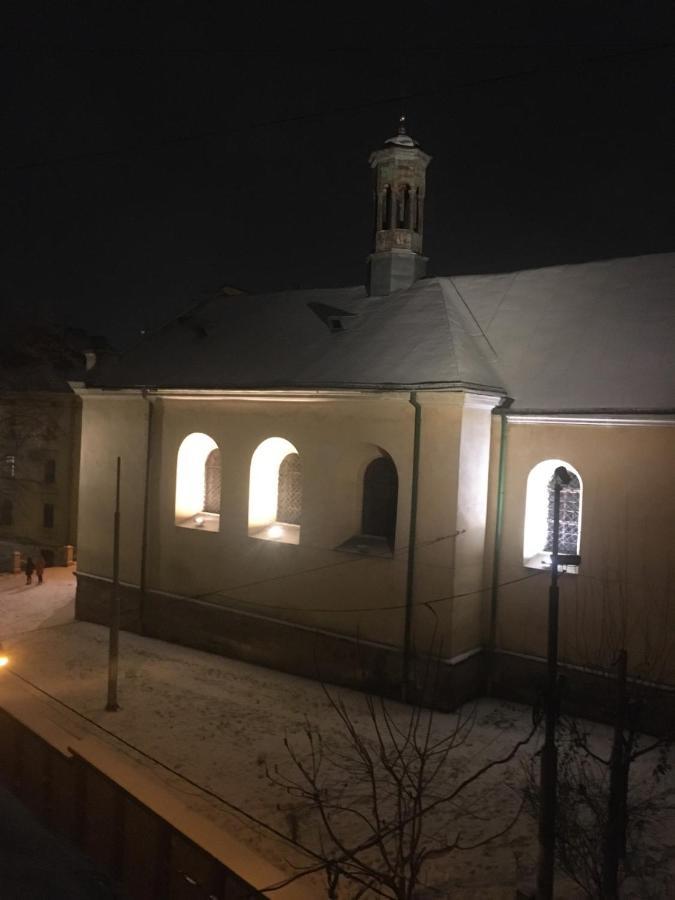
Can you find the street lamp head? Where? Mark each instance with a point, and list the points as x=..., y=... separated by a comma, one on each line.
x=562, y=476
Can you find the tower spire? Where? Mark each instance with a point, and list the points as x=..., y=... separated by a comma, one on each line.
x=400, y=181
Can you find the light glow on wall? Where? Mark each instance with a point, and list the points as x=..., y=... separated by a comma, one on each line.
x=536, y=506
x=192, y=455
x=264, y=481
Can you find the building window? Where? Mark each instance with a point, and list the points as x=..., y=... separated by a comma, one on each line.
x=212, y=482
x=403, y=207
x=289, y=499
x=6, y=512
x=9, y=466
x=538, y=530
x=275, y=492
x=50, y=471
x=386, y=208
x=198, y=483
x=380, y=499
x=48, y=515
x=570, y=504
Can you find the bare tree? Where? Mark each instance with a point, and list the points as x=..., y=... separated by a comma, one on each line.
x=389, y=796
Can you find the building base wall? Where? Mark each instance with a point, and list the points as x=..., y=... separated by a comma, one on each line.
x=320, y=655
x=365, y=666
x=584, y=693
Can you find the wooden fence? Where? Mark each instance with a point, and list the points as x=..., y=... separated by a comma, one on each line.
x=113, y=815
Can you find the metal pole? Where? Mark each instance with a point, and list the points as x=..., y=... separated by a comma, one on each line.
x=549, y=753
x=114, y=642
x=412, y=538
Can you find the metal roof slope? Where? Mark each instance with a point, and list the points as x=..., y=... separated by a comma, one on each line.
x=594, y=336
x=410, y=338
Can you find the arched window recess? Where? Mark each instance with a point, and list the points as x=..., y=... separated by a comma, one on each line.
x=275, y=492
x=539, y=515
x=198, y=483
x=379, y=503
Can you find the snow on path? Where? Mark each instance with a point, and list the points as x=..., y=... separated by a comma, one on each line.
x=220, y=722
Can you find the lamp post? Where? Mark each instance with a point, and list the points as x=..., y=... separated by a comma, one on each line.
x=549, y=753
x=114, y=620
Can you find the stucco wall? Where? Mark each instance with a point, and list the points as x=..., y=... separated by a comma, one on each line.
x=112, y=426
x=623, y=594
x=313, y=583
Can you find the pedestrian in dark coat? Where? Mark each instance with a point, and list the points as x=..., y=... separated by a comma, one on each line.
x=30, y=568
x=39, y=568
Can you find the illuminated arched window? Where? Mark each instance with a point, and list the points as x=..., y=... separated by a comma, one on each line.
x=380, y=498
x=6, y=512
x=570, y=507
x=198, y=483
x=289, y=499
x=275, y=492
x=212, y=482
x=538, y=531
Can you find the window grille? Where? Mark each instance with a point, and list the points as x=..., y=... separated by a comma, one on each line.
x=9, y=466
x=570, y=497
x=6, y=512
x=289, y=503
x=212, y=482
x=380, y=497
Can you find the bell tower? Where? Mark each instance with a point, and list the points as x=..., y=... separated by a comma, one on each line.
x=400, y=179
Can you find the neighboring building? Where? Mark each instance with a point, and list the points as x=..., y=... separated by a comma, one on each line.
x=330, y=481
x=40, y=425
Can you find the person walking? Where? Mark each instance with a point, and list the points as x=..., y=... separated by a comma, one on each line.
x=39, y=568
x=30, y=568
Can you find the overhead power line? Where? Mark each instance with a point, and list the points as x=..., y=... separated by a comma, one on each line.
x=394, y=99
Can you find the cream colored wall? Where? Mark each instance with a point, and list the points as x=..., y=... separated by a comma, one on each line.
x=335, y=440
x=623, y=594
x=313, y=583
x=112, y=426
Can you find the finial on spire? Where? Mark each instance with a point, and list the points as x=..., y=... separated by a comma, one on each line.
x=401, y=124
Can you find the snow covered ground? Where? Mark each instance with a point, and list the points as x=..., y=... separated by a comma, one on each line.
x=222, y=723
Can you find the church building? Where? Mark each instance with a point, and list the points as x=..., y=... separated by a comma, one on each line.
x=338, y=483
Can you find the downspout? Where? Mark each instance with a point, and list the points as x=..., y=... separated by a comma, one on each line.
x=496, y=553
x=146, y=504
x=412, y=540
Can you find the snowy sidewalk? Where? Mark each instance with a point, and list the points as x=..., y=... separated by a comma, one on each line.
x=25, y=607
x=221, y=722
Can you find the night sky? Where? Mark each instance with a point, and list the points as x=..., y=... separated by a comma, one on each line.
x=154, y=155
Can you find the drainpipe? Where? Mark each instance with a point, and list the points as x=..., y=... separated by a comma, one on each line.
x=146, y=504
x=412, y=539
x=496, y=553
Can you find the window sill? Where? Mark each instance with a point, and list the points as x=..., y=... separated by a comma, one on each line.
x=542, y=562
x=277, y=533
x=367, y=545
x=207, y=522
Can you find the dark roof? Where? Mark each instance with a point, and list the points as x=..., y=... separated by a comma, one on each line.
x=580, y=337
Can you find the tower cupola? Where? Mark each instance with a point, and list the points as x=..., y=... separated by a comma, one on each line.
x=400, y=179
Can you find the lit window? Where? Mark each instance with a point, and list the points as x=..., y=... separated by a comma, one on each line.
x=275, y=492
x=9, y=466
x=212, y=482
x=538, y=532
x=6, y=512
x=570, y=502
x=198, y=483
x=289, y=498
